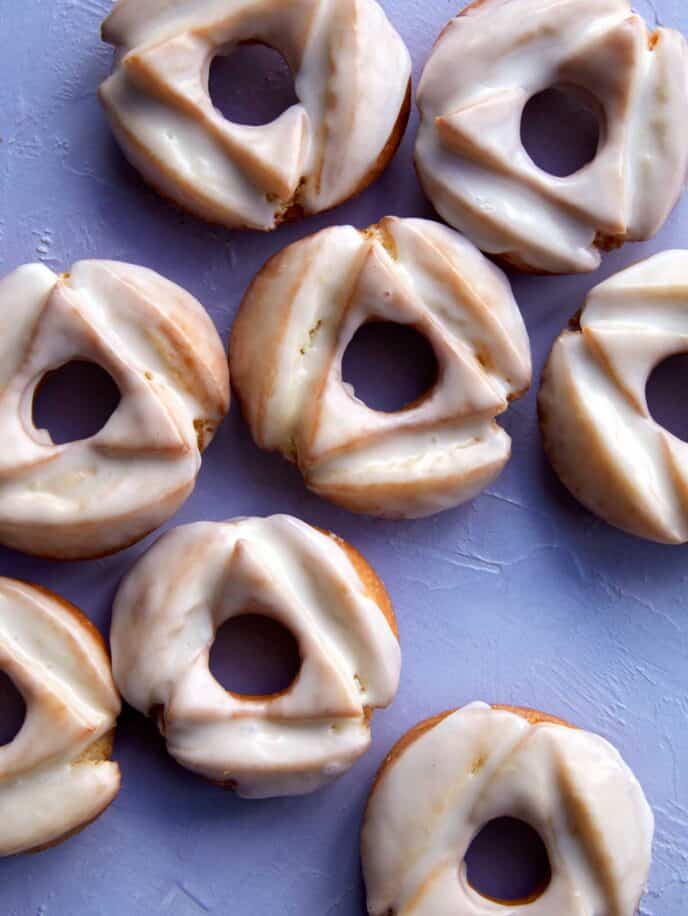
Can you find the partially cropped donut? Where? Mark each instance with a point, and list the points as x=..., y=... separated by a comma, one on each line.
x=596, y=425
x=301, y=313
x=98, y=495
x=452, y=775
x=197, y=577
x=488, y=63
x=56, y=776
x=352, y=76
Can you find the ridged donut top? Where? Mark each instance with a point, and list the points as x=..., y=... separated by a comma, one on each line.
x=351, y=72
x=479, y=764
x=164, y=354
x=486, y=66
x=63, y=672
x=199, y=576
x=299, y=317
x=593, y=400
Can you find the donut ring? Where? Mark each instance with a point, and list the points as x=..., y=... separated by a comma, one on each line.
x=295, y=324
x=98, y=495
x=352, y=76
x=452, y=775
x=596, y=424
x=56, y=776
x=488, y=63
x=197, y=577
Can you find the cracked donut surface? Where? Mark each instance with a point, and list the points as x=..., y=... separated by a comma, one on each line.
x=487, y=64
x=452, y=775
x=297, y=320
x=97, y=495
x=352, y=77
x=196, y=578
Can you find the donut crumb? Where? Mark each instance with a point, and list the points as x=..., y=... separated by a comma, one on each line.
x=380, y=233
x=609, y=242
x=478, y=764
x=311, y=337
x=575, y=321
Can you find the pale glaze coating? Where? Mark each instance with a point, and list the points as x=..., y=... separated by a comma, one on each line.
x=597, y=427
x=54, y=776
x=296, y=323
x=488, y=63
x=197, y=577
x=97, y=495
x=480, y=764
x=352, y=78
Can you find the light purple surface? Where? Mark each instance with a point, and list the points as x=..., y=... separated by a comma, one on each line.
x=521, y=597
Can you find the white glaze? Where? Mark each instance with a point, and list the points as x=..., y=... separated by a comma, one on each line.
x=486, y=66
x=351, y=72
x=480, y=764
x=97, y=495
x=199, y=576
x=63, y=672
x=598, y=430
x=301, y=314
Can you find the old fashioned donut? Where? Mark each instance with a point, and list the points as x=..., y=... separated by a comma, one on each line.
x=300, y=315
x=596, y=424
x=352, y=77
x=488, y=63
x=197, y=577
x=97, y=495
x=452, y=775
x=56, y=776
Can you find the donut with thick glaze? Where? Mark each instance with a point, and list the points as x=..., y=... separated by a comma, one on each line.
x=488, y=63
x=56, y=776
x=452, y=775
x=352, y=76
x=596, y=424
x=97, y=495
x=299, y=316
x=197, y=577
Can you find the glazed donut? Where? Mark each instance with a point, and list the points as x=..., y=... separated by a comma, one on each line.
x=98, y=495
x=197, y=577
x=300, y=315
x=485, y=67
x=596, y=425
x=452, y=775
x=352, y=76
x=56, y=776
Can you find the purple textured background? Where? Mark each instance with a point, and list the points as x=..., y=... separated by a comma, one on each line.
x=521, y=597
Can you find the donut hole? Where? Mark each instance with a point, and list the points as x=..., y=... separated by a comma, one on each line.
x=561, y=129
x=389, y=366
x=254, y=655
x=667, y=409
x=251, y=84
x=12, y=710
x=507, y=863
x=74, y=402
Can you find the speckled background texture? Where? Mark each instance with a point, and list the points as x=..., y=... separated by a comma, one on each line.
x=521, y=597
